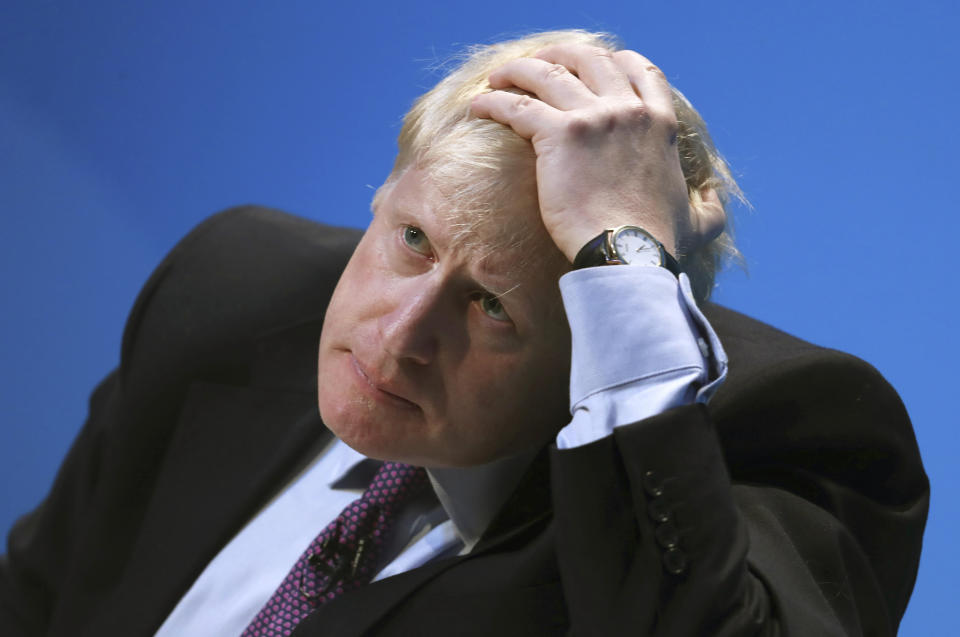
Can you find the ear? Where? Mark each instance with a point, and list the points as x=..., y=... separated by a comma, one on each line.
x=707, y=216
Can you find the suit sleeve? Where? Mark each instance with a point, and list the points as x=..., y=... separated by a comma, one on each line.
x=793, y=505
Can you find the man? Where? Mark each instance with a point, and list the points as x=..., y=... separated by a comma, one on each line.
x=791, y=500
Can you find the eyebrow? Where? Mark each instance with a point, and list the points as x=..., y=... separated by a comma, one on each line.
x=489, y=277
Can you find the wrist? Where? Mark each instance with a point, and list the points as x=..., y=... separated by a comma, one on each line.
x=625, y=245
x=572, y=239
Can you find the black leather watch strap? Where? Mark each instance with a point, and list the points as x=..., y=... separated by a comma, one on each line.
x=594, y=253
x=669, y=262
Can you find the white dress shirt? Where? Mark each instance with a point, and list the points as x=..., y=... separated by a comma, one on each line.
x=640, y=346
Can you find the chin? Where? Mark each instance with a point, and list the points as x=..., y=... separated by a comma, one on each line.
x=357, y=423
x=396, y=443
x=348, y=422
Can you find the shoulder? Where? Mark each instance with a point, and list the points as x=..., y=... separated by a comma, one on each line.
x=239, y=274
x=777, y=377
x=762, y=356
x=770, y=364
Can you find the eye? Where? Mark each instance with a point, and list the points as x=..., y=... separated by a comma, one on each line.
x=416, y=240
x=493, y=308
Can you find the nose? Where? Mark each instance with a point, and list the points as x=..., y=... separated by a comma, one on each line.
x=409, y=331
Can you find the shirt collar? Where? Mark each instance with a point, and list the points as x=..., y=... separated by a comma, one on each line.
x=470, y=496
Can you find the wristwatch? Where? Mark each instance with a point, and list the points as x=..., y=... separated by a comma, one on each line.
x=626, y=245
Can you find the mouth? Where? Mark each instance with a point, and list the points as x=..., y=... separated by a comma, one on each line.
x=377, y=390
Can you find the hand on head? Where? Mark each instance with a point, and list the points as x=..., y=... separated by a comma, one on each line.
x=604, y=131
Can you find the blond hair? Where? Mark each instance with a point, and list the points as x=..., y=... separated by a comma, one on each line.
x=475, y=161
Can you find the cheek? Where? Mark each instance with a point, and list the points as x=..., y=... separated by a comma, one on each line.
x=336, y=335
x=355, y=297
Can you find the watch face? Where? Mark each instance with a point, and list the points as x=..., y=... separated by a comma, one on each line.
x=636, y=247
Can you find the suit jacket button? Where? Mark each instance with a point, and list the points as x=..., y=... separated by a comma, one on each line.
x=658, y=511
x=667, y=535
x=652, y=484
x=675, y=562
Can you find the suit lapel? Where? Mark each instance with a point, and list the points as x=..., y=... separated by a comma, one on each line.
x=359, y=611
x=525, y=514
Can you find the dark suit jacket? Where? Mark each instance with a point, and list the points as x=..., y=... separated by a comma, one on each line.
x=793, y=504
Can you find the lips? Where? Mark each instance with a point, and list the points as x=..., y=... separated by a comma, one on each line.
x=380, y=390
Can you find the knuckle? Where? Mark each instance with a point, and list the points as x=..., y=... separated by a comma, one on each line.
x=580, y=125
x=666, y=120
x=610, y=120
x=670, y=125
x=588, y=124
x=522, y=103
x=554, y=71
x=639, y=113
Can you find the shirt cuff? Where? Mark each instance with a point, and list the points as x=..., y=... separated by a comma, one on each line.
x=640, y=345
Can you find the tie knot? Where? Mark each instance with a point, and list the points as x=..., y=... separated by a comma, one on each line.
x=394, y=484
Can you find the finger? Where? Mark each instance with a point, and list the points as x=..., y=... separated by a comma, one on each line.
x=593, y=65
x=526, y=115
x=552, y=83
x=648, y=80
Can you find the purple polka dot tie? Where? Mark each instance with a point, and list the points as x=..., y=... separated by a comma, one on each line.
x=344, y=555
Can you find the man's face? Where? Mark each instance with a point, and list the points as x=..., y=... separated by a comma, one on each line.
x=421, y=361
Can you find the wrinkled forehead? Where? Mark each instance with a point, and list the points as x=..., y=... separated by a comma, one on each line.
x=490, y=214
x=497, y=226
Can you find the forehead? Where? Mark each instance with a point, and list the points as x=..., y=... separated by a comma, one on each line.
x=495, y=222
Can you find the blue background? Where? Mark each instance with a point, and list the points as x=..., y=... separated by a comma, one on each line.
x=123, y=124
